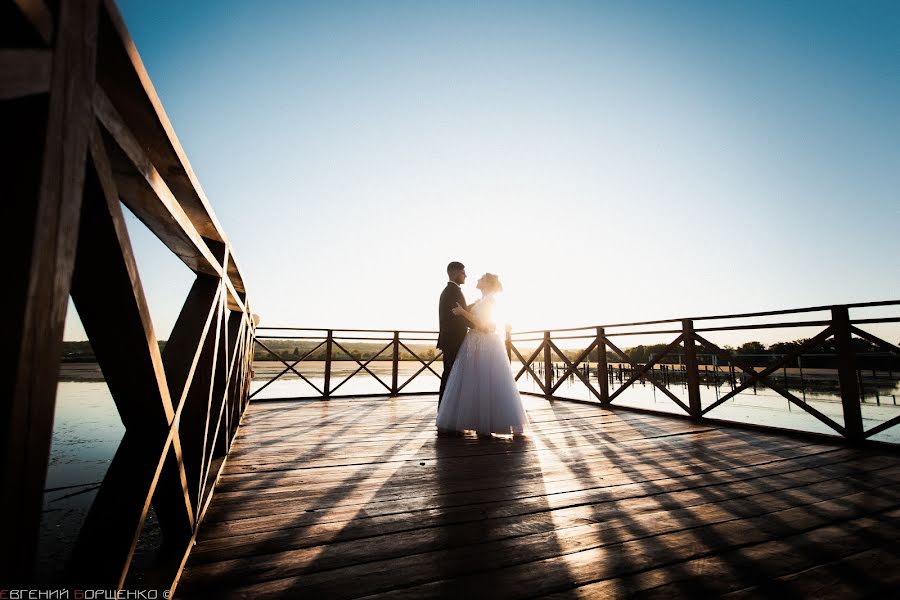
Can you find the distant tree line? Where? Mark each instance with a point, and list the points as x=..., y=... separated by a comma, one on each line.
x=294, y=349
x=643, y=354
x=754, y=352
x=82, y=351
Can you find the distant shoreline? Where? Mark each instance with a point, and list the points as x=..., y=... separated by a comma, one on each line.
x=90, y=370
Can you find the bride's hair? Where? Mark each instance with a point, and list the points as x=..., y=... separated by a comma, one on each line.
x=492, y=284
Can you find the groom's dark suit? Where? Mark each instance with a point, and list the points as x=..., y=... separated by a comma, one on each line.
x=452, y=329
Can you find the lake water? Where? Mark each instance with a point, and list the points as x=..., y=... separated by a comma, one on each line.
x=87, y=429
x=86, y=433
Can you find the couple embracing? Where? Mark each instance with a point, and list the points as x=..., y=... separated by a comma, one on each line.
x=478, y=392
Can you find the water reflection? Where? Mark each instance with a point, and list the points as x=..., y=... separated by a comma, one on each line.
x=757, y=404
x=86, y=433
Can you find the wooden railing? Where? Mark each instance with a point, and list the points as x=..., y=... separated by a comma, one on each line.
x=83, y=133
x=689, y=340
x=333, y=341
x=549, y=366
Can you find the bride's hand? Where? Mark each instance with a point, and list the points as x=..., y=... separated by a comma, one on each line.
x=457, y=310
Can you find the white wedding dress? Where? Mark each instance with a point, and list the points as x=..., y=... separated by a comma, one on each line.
x=481, y=394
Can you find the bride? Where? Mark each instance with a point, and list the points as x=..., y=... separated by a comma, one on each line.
x=481, y=394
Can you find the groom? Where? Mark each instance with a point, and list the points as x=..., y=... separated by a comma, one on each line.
x=452, y=327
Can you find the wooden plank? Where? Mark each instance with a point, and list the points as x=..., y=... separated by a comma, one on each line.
x=545, y=462
x=217, y=428
x=417, y=427
x=109, y=297
x=712, y=449
x=39, y=16
x=49, y=134
x=253, y=536
x=188, y=363
x=548, y=562
x=187, y=351
x=866, y=574
x=148, y=196
x=122, y=75
x=198, y=420
x=24, y=72
x=591, y=487
x=811, y=564
x=734, y=316
x=182, y=352
x=39, y=288
x=620, y=524
x=388, y=501
x=238, y=388
x=221, y=542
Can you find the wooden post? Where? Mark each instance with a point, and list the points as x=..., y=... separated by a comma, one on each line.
x=109, y=297
x=692, y=373
x=602, y=367
x=395, y=362
x=44, y=142
x=329, y=341
x=548, y=367
x=840, y=321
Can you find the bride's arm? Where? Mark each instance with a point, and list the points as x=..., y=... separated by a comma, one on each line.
x=478, y=324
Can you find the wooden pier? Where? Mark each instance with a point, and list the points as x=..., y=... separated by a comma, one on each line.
x=84, y=132
x=343, y=497
x=353, y=498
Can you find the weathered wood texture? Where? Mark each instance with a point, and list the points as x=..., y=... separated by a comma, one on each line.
x=45, y=211
x=355, y=498
x=83, y=131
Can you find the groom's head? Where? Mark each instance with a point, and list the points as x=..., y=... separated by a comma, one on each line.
x=456, y=271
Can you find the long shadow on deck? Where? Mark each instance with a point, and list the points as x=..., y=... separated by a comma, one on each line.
x=433, y=521
x=704, y=545
x=594, y=503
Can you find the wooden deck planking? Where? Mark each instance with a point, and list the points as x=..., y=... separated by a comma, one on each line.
x=353, y=498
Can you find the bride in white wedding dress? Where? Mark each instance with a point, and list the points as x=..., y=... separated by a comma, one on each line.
x=481, y=394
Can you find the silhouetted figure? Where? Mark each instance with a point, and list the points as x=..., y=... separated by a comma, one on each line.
x=452, y=328
x=481, y=394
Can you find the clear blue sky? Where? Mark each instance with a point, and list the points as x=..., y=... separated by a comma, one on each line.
x=609, y=160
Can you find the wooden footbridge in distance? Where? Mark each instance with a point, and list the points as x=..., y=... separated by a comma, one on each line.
x=343, y=495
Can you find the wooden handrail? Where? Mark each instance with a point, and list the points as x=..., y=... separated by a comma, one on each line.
x=88, y=134
x=688, y=337
x=591, y=328
x=732, y=316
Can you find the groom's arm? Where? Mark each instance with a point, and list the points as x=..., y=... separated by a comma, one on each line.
x=445, y=308
x=461, y=302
